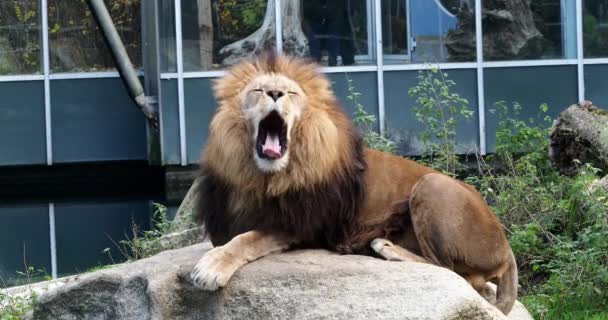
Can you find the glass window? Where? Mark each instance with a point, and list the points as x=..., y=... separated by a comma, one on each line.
x=77, y=44
x=595, y=28
x=526, y=30
x=332, y=32
x=218, y=33
x=20, y=39
x=166, y=30
x=395, y=28
x=428, y=31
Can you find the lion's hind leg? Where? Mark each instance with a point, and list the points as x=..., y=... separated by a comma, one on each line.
x=394, y=252
x=457, y=230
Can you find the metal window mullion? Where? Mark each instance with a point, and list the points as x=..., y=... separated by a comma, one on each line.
x=47, y=82
x=379, y=65
x=408, y=23
x=529, y=63
x=53, y=240
x=26, y=77
x=579, y=50
x=425, y=66
x=278, y=19
x=370, y=26
x=180, y=83
x=595, y=61
x=481, y=109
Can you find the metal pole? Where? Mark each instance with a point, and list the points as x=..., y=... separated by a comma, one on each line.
x=481, y=100
x=125, y=67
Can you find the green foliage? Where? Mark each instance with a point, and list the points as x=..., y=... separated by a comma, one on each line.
x=73, y=33
x=515, y=136
x=18, y=306
x=439, y=110
x=595, y=36
x=238, y=19
x=367, y=122
x=558, y=226
x=20, y=41
x=146, y=243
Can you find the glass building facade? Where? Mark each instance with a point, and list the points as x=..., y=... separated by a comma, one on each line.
x=63, y=101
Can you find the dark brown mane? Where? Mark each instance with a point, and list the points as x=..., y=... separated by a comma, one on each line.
x=320, y=218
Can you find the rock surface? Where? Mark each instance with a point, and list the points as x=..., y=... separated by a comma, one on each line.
x=309, y=284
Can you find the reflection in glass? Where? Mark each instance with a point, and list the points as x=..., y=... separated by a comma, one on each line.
x=19, y=37
x=595, y=28
x=536, y=29
x=77, y=44
x=428, y=31
x=208, y=26
x=338, y=31
x=168, y=60
x=395, y=37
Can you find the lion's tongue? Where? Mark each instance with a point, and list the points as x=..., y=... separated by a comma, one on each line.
x=272, y=146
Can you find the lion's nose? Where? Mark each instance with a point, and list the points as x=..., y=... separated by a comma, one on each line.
x=274, y=94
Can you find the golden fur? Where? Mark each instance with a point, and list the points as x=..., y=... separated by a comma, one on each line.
x=333, y=193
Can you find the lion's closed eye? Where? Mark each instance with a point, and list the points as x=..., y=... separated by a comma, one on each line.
x=292, y=92
x=257, y=90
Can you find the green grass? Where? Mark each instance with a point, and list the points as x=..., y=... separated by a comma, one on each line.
x=100, y=268
x=15, y=307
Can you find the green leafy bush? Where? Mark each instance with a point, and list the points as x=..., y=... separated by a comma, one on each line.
x=19, y=306
x=439, y=110
x=146, y=243
x=367, y=122
x=557, y=225
x=16, y=307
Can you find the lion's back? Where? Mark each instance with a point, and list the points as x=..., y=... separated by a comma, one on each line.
x=388, y=179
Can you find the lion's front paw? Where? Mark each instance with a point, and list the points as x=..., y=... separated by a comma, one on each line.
x=214, y=269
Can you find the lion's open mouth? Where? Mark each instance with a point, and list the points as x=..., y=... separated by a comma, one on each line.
x=271, y=142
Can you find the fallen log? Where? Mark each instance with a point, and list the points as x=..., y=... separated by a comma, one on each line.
x=580, y=135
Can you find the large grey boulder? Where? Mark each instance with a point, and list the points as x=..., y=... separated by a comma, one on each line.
x=309, y=284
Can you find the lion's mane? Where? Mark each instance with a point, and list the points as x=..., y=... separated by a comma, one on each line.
x=316, y=198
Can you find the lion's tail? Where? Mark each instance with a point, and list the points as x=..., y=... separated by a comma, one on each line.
x=506, y=293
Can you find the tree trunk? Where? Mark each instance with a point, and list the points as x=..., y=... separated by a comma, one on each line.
x=509, y=32
x=205, y=27
x=294, y=39
x=580, y=133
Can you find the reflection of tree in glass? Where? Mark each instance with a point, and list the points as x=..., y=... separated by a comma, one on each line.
x=235, y=20
x=454, y=6
x=238, y=19
x=76, y=43
x=509, y=32
x=242, y=28
x=595, y=28
x=19, y=37
x=294, y=40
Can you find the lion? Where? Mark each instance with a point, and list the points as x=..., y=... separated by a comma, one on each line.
x=284, y=167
